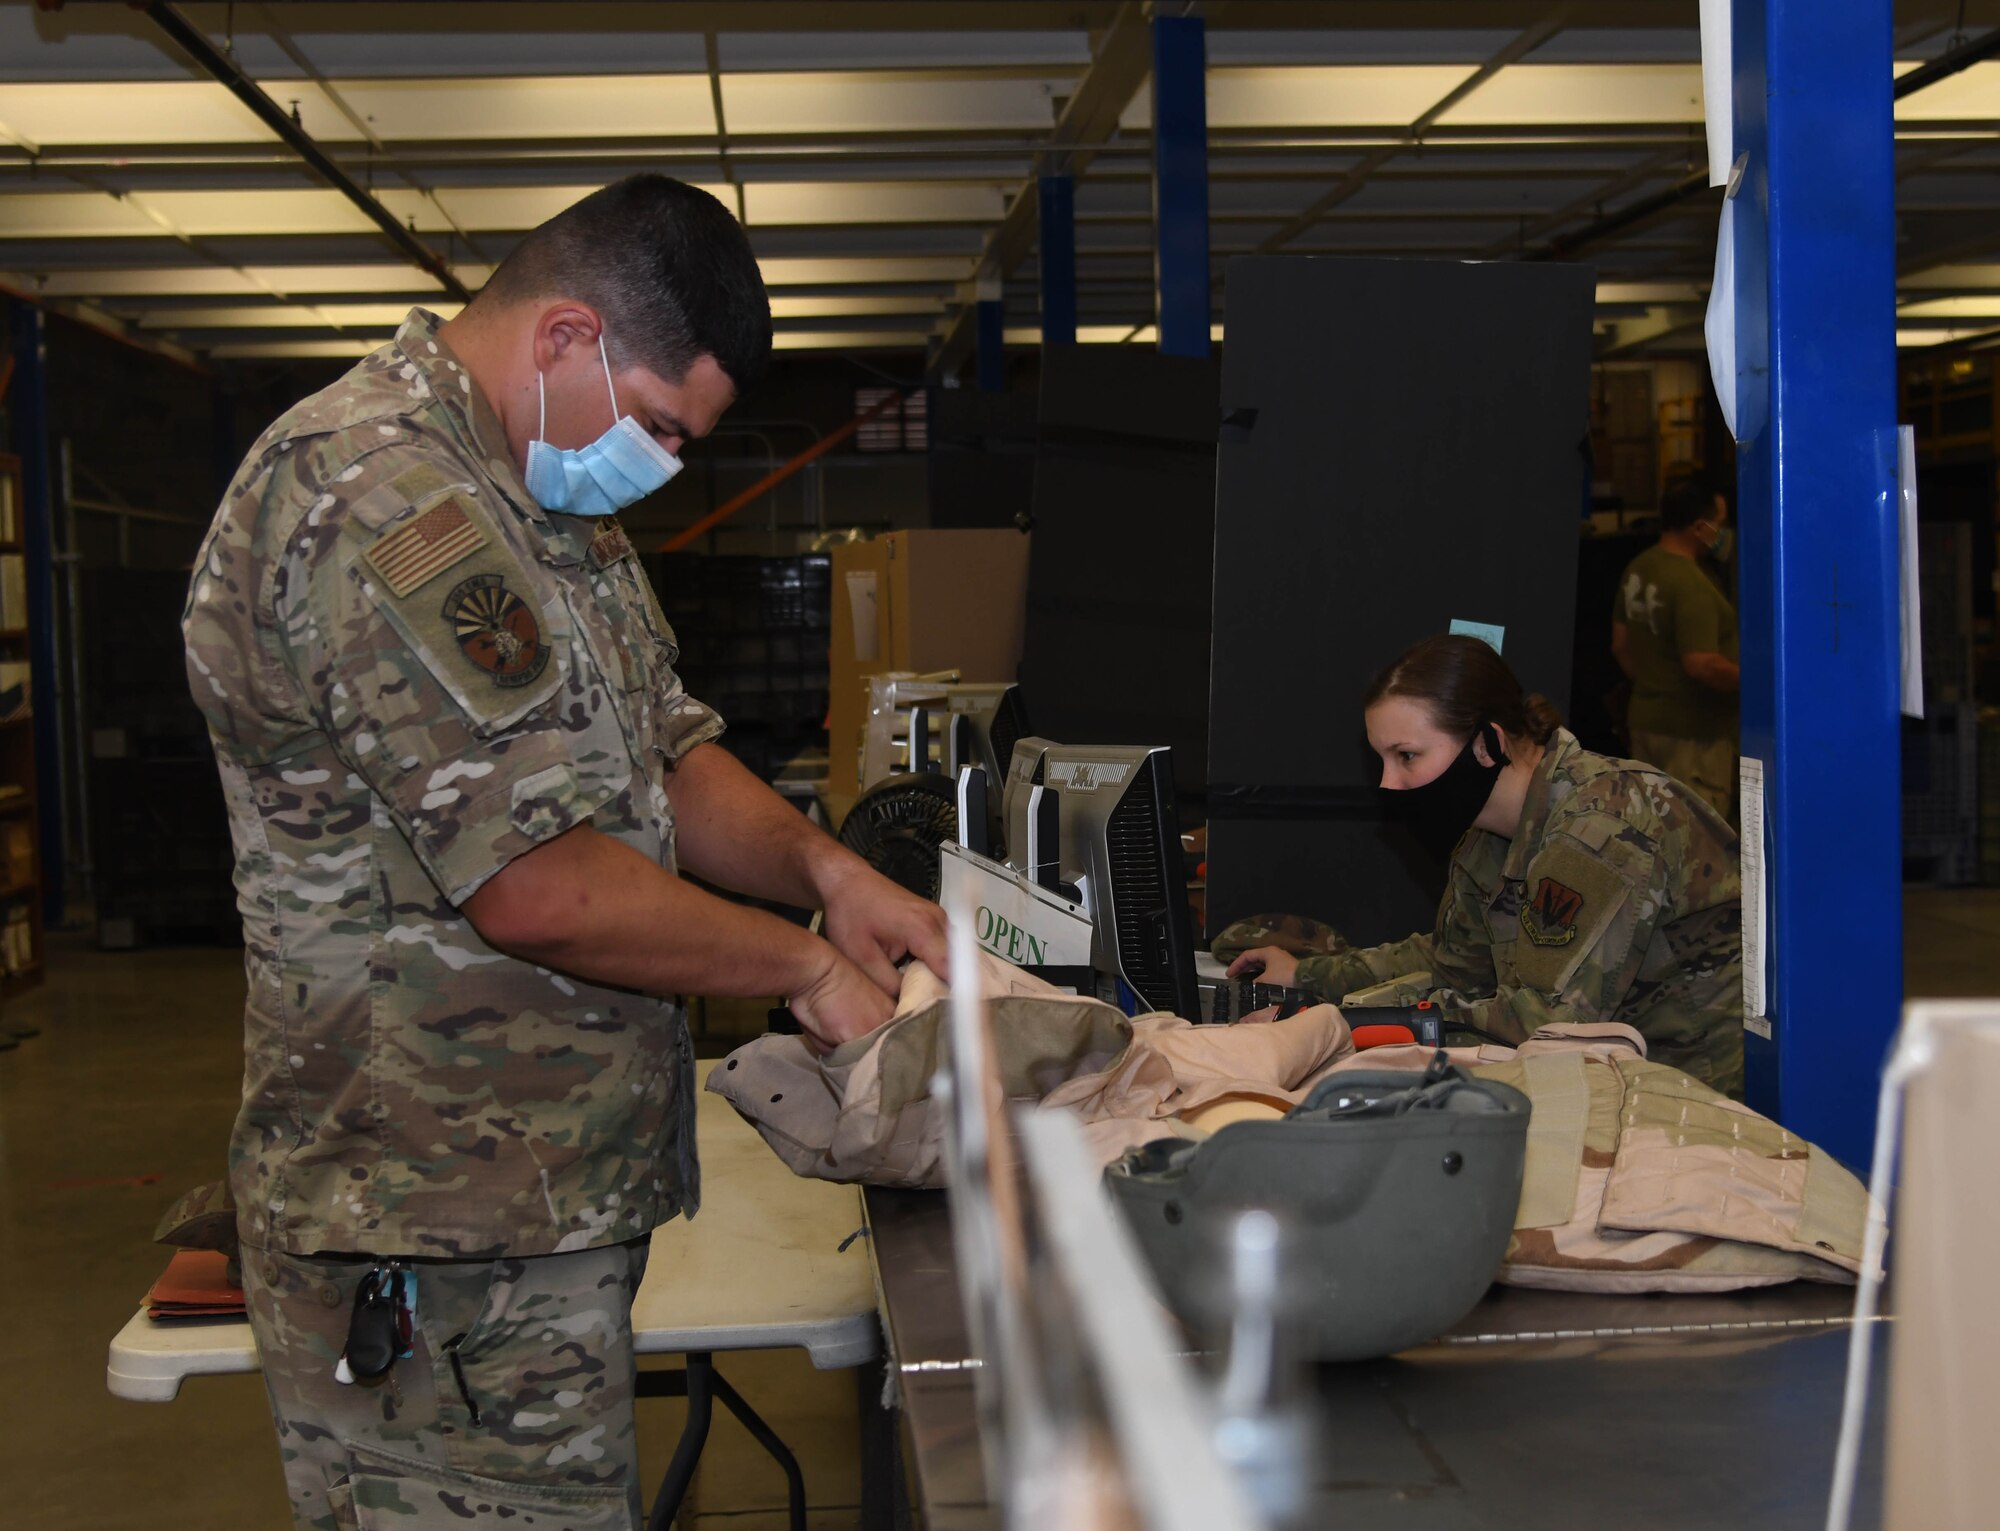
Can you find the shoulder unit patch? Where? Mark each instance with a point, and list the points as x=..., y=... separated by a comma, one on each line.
x=497, y=630
x=413, y=555
x=1551, y=915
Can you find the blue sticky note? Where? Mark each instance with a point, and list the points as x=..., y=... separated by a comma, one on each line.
x=1486, y=632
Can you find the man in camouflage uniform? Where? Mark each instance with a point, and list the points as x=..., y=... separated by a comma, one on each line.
x=462, y=778
x=1616, y=900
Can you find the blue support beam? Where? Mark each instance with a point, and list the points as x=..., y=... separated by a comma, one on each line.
x=29, y=401
x=1814, y=224
x=1055, y=197
x=989, y=341
x=1180, y=185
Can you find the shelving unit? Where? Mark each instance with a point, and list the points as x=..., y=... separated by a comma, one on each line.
x=21, y=945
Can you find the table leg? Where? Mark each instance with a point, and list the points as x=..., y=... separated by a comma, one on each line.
x=701, y=1384
x=699, y=1375
x=795, y=1481
x=882, y=1507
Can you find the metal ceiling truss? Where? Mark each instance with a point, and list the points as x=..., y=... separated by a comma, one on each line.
x=1631, y=197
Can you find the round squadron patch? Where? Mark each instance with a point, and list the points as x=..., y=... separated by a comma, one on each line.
x=497, y=630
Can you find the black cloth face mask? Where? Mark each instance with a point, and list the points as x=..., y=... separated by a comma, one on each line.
x=1440, y=811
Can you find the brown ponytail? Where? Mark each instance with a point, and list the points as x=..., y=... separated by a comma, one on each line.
x=1465, y=685
x=1540, y=719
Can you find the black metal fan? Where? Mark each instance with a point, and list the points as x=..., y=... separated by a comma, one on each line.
x=897, y=826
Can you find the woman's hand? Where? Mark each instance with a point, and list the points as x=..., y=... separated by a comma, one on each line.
x=1267, y=964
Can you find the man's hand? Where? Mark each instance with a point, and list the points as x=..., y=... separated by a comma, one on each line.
x=1277, y=965
x=839, y=1005
x=736, y=831
x=875, y=924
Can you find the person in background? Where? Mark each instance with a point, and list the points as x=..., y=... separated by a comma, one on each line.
x=1581, y=889
x=1673, y=633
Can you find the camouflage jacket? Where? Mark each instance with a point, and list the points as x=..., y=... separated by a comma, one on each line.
x=1616, y=900
x=411, y=675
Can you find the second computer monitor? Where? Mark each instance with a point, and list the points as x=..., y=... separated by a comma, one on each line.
x=1119, y=845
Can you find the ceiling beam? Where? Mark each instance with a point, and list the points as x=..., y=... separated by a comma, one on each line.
x=1351, y=183
x=361, y=125
x=1695, y=182
x=1119, y=67
x=226, y=73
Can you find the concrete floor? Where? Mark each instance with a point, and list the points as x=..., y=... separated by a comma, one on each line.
x=125, y=1100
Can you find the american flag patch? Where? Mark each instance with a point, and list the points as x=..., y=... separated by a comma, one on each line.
x=409, y=556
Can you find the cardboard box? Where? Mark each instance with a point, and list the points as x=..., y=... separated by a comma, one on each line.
x=921, y=601
x=20, y=852
x=16, y=689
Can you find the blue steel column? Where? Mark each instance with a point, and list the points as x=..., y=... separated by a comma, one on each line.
x=30, y=397
x=1180, y=185
x=1055, y=233
x=989, y=341
x=1815, y=229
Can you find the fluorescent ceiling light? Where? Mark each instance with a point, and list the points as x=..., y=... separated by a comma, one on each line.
x=345, y=349
x=279, y=316
x=873, y=102
x=848, y=340
x=1328, y=96
x=536, y=107
x=814, y=308
x=1104, y=334
x=227, y=282
x=1958, y=278
x=531, y=107
x=838, y=202
x=1915, y=339
x=281, y=211
x=70, y=215
x=1607, y=94
x=138, y=112
x=266, y=211
x=1649, y=292
x=838, y=270
x=1971, y=95
x=312, y=281
x=1951, y=308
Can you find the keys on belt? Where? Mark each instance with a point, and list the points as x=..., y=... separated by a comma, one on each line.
x=382, y=1328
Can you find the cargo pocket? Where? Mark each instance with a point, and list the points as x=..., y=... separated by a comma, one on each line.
x=340, y=1502
x=392, y=1493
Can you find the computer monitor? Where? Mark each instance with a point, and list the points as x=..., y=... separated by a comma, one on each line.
x=1117, y=849
x=992, y=719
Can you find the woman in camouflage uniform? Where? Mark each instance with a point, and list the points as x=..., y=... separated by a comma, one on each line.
x=1581, y=888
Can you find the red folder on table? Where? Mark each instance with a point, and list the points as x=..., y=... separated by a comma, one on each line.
x=195, y=1284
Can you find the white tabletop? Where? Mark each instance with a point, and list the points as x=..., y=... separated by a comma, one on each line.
x=759, y=1269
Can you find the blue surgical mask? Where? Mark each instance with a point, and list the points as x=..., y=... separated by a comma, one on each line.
x=619, y=468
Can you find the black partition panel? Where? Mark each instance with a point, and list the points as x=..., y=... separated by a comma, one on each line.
x=1403, y=444
x=981, y=457
x=1119, y=576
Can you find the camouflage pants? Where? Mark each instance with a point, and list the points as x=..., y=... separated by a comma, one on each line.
x=515, y=1408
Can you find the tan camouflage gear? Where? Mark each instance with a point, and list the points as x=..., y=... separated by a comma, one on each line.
x=1293, y=933
x=412, y=675
x=538, y=1433
x=1616, y=900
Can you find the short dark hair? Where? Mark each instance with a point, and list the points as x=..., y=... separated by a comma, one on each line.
x=668, y=267
x=1464, y=685
x=1684, y=502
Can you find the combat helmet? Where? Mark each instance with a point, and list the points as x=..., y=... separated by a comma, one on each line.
x=1397, y=1192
